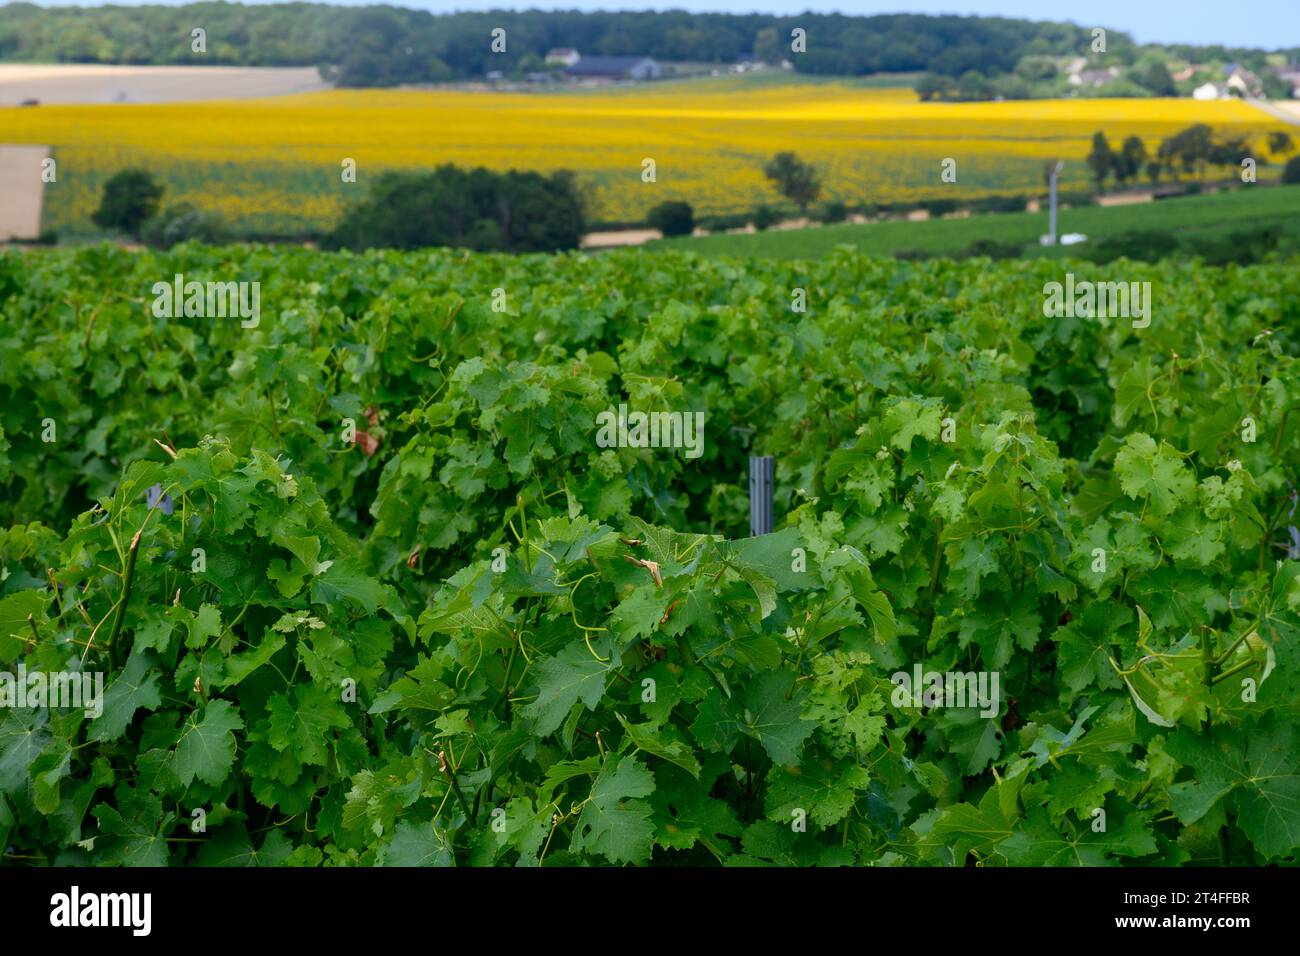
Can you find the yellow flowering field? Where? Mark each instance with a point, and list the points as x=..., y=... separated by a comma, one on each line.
x=274, y=164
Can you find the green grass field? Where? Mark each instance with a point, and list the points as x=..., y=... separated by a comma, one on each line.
x=1186, y=217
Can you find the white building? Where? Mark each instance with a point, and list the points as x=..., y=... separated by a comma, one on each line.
x=1073, y=66
x=1094, y=78
x=562, y=56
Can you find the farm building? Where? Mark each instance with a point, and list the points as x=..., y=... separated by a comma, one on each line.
x=1242, y=80
x=1094, y=77
x=615, y=68
x=562, y=56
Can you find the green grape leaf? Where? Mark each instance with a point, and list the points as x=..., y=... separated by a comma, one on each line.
x=572, y=675
x=418, y=844
x=613, y=823
x=206, y=747
x=773, y=720
x=135, y=688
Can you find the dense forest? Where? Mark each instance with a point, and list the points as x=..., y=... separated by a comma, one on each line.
x=384, y=45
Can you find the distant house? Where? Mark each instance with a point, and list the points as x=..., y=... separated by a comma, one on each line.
x=615, y=68
x=1094, y=77
x=1186, y=73
x=1242, y=80
x=562, y=56
x=1211, y=91
x=1291, y=77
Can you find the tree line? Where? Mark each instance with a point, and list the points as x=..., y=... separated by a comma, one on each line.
x=385, y=45
x=1039, y=76
x=517, y=211
x=477, y=209
x=1190, y=152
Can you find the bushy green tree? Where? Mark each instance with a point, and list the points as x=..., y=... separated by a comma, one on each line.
x=1101, y=160
x=768, y=47
x=475, y=209
x=1037, y=68
x=796, y=179
x=1012, y=87
x=1190, y=148
x=1275, y=88
x=1156, y=78
x=672, y=218
x=130, y=198
x=833, y=211
x=180, y=223
x=764, y=216
x=935, y=86
x=1129, y=160
x=973, y=85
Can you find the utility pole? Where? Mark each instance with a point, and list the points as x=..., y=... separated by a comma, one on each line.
x=762, y=472
x=1051, y=208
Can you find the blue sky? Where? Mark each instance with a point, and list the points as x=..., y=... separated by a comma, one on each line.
x=1254, y=23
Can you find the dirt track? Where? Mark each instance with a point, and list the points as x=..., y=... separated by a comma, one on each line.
x=1288, y=111
x=99, y=83
x=21, y=191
